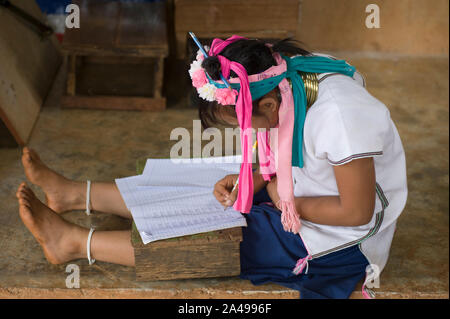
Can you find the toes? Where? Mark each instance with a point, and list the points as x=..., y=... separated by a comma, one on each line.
x=26, y=158
x=34, y=155
x=24, y=202
x=28, y=192
x=23, y=196
x=29, y=154
x=25, y=212
x=20, y=188
x=25, y=193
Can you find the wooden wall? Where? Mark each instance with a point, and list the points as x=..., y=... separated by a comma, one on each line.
x=409, y=27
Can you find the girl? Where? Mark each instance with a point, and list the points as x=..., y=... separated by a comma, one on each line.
x=326, y=196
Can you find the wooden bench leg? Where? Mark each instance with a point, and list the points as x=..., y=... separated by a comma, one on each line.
x=159, y=77
x=71, y=75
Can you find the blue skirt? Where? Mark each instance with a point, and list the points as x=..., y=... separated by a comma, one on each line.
x=269, y=254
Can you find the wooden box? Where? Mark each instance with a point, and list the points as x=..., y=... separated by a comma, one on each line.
x=115, y=60
x=210, y=254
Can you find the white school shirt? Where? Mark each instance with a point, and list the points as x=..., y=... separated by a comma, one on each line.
x=346, y=123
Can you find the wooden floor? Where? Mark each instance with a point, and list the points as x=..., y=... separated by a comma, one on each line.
x=103, y=145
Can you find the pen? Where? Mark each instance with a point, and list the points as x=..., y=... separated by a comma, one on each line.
x=202, y=50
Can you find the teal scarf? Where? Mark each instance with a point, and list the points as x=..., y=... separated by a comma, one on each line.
x=312, y=64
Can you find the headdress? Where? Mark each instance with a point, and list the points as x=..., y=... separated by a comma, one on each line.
x=241, y=91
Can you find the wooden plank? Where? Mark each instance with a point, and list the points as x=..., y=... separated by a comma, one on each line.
x=95, y=59
x=28, y=68
x=142, y=24
x=249, y=18
x=98, y=24
x=71, y=75
x=180, y=42
x=134, y=51
x=212, y=237
x=116, y=28
x=182, y=38
x=236, y=15
x=182, y=262
x=114, y=103
x=116, y=79
x=159, y=78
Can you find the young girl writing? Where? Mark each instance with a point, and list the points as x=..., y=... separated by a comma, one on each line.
x=322, y=207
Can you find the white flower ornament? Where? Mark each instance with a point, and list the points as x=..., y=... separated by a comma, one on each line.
x=206, y=90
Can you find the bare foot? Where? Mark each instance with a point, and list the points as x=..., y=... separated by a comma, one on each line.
x=60, y=240
x=61, y=193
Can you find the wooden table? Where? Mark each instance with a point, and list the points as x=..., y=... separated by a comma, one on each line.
x=129, y=36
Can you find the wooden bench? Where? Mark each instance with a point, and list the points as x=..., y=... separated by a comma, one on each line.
x=116, y=57
x=264, y=19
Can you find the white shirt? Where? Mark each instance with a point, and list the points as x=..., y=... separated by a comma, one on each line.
x=347, y=123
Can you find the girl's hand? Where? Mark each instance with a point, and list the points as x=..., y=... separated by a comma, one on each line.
x=272, y=191
x=222, y=190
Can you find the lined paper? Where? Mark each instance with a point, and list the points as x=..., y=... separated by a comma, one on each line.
x=172, y=199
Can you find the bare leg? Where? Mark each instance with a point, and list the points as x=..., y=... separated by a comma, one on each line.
x=63, y=241
x=63, y=194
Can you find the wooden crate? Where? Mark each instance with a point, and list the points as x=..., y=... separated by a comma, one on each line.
x=264, y=19
x=210, y=254
x=129, y=36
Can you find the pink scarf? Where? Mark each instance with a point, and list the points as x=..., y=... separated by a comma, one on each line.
x=270, y=163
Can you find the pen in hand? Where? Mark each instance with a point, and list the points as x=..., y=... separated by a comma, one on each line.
x=234, y=188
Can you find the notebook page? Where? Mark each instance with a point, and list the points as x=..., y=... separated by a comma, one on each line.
x=188, y=173
x=175, y=199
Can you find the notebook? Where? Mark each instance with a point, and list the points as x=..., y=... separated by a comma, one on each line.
x=175, y=198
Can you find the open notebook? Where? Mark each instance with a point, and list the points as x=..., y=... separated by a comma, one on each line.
x=172, y=199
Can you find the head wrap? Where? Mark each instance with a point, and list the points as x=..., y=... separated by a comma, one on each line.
x=292, y=113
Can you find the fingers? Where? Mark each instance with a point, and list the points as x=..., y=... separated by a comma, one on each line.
x=220, y=197
x=222, y=190
x=232, y=197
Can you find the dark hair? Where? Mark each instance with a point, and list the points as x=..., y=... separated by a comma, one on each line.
x=255, y=56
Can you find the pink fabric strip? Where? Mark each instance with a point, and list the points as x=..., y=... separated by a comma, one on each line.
x=283, y=168
x=244, y=199
x=265, y=154
x=289, y=216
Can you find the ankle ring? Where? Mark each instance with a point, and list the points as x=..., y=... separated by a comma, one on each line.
x=88, y=247
x=88, y=197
